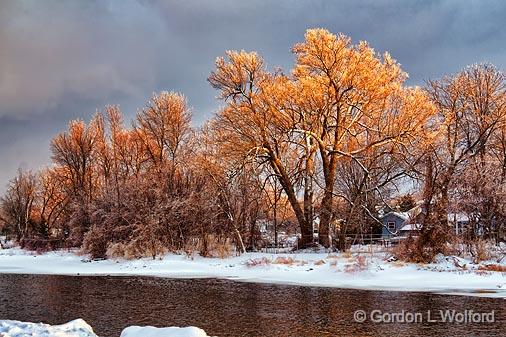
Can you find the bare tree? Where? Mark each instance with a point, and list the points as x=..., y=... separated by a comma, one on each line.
x=17, y=206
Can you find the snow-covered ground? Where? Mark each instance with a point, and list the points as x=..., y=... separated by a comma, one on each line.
x=361, y=271
x=79, y=328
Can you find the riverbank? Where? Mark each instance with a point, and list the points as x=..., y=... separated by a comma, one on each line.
x=375, y=271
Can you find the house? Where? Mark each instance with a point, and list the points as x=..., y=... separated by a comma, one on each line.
x=263, y=225
x=459, y=222
x=392, y=223
x=401, y=223
x=408, y=223
x=462, y=222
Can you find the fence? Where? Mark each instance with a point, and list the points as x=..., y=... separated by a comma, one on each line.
x=373, y=242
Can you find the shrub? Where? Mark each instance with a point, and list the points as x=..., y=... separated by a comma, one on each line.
x=41, y=245
x=479, y=251
x=95, y=242
x=211, y=246
x=418, y=250
x=407, y=250
x=120, y=250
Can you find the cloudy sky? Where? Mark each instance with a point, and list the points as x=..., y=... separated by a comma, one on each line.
x=61, y=60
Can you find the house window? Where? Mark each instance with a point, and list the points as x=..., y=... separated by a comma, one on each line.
x=391, y=226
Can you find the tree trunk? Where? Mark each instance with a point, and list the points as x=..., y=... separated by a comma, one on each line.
x=275, y=215
x=308, y=187
x=239, y=239
x=327, y=203
x=305, y=226
x=329, y=163
x=325, y=219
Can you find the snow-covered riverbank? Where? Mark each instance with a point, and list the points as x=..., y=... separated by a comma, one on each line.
x=79, y=328
x=365, y=271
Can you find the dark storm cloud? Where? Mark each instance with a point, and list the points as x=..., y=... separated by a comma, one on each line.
x=64, y=59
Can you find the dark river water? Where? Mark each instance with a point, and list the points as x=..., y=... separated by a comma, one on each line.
x=227, y=308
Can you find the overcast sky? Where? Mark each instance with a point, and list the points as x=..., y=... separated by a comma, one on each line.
x=61, y=60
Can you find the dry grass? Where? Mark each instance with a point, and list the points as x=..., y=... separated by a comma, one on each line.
x=119, y=251
x=284, y=260
x=134, y=250
x=398, y=264
x=362, y=261
x=319, y=262
x=280, y=260
x=493, y=267
x=289, y=261
x=258, y=262
x=359, y=265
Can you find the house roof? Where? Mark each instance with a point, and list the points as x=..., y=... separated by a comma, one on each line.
x=402, y=215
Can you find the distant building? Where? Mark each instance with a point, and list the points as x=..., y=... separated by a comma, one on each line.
x=409, y=223
x=462, y=222
x=393, y=222
x=459, y=221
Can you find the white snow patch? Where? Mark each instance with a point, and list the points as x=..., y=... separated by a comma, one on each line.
x=149, y=331
x=75, y=328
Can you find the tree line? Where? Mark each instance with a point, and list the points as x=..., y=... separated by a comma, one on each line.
x=334, y=139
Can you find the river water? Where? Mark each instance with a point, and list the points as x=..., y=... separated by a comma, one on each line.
x=227, y=308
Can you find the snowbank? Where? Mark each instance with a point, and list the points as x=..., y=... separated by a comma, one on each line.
x=75, y=328
x=149, y=331
x=371, y=270
x=79, y=328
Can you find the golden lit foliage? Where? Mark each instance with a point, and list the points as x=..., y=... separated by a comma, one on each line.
x=344, y=98
x=163, y=125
